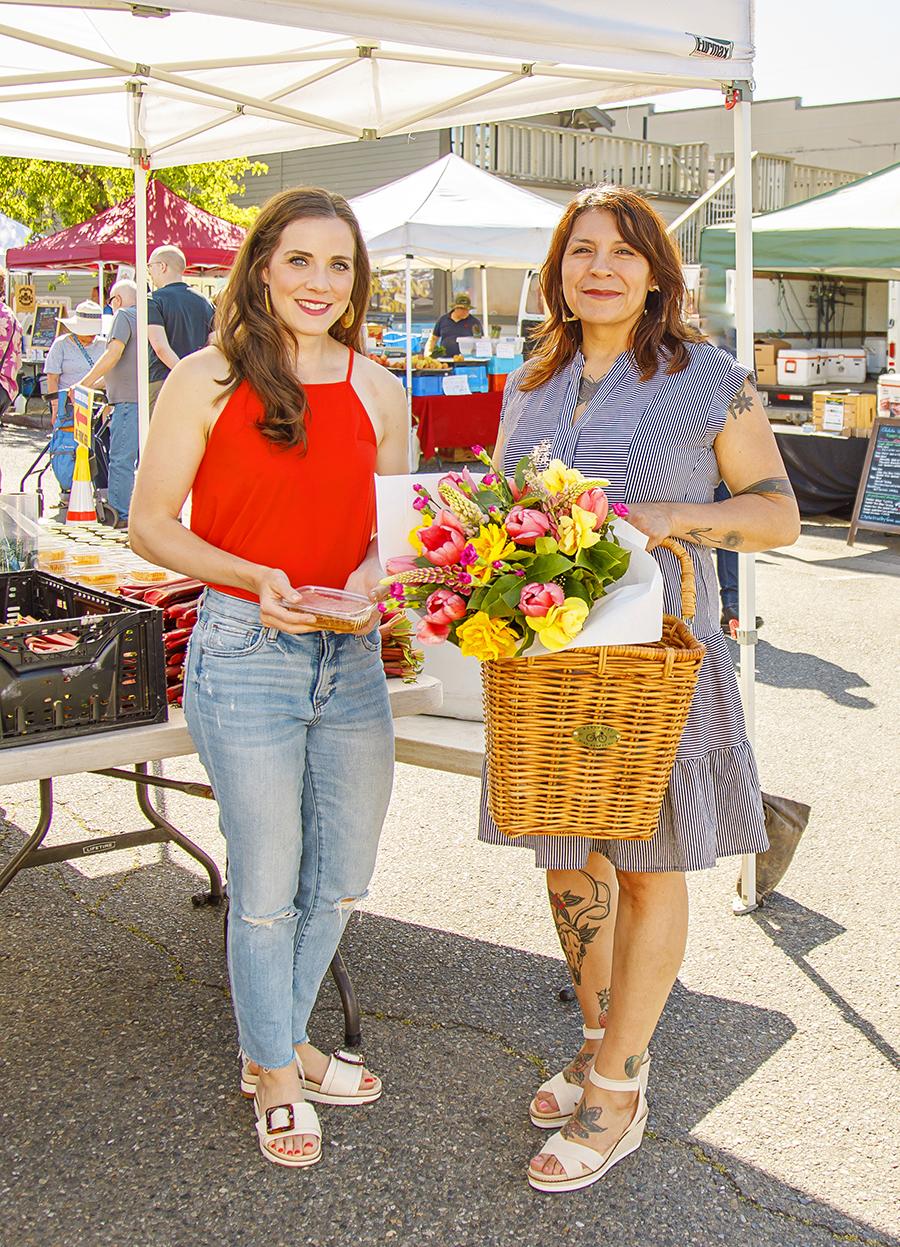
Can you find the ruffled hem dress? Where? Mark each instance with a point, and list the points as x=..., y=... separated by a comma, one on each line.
x=653, y=440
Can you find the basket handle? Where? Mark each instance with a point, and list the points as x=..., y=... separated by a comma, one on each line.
x=688, y=582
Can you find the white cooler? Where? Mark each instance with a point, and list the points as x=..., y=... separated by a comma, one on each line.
x=847, y=365
x=799, y=367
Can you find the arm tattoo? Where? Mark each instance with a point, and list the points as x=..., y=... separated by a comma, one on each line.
x=703, y=537
x=578, y=920
x=771, y=485
x=739, y=404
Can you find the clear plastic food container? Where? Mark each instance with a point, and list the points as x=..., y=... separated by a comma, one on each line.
x=335, y=610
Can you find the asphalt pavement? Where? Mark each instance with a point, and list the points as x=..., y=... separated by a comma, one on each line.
x=773, y=1094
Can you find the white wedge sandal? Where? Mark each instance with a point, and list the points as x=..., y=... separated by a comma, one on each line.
x=583, y=1166
x=568, y=1094
x=342, y=1083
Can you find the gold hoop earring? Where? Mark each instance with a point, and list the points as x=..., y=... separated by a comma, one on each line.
x=267, y=299
x=568, y=319
x=351, y=312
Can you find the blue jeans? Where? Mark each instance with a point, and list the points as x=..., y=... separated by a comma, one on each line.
x=726, y=562
x=296, y=736
x=123, y=455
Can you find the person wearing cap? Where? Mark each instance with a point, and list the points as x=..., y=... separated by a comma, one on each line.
x=453, y=325
x=71, y=356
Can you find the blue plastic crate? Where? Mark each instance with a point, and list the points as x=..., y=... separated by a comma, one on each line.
x=477, y=374
x=422, y=387
x=497, y=366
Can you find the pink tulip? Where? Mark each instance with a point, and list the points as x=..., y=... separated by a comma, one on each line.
x=444, y=541
x=456, y=479
x=431, y=632
x=525, y=525
x=595, y=500
x=535, y=600
x=401, y=563
x=444, y=606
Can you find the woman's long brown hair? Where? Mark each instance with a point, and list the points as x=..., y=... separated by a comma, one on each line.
x=259, y=346
x=661, y=330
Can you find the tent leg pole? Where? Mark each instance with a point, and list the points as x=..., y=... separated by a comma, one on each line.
x=141, y=166
x=485, y=315
x=746, y=900
x=413, y=441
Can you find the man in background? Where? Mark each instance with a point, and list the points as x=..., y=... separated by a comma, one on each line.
x=179, y=319
x=118, y=365
x=453, y=325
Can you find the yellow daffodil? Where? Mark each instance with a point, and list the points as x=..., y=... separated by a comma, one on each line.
x=561, y=624
x=415, y=541
x=484, y=638
x=558, y=478
x=576, y=533
x=492, y=543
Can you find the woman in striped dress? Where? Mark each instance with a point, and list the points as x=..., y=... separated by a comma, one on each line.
x=620, y=387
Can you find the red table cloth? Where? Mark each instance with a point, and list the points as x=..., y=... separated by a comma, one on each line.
x=457, y=420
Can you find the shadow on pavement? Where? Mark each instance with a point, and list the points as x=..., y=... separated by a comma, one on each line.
x=783, y=668
x=798, y=931
x=122, y=1123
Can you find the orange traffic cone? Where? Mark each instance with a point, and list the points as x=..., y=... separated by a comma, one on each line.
x=81, y=498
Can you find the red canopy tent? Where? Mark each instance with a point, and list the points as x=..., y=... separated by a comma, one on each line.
x=207, y=241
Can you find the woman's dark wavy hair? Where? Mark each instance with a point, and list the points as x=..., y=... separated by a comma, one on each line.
x=259, y=346
x=661, y=331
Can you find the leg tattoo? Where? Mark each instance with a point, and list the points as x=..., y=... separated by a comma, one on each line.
x=603, y=1005
x=578, y=920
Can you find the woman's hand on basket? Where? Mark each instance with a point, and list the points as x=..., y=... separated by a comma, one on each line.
x=276, y=603
x=653, y=519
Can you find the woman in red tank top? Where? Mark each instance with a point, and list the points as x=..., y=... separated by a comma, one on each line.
x=277, y=431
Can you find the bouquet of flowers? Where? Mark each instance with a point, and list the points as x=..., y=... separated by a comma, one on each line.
x=504, y=562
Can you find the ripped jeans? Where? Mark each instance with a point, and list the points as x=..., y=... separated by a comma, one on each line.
x=296, y=736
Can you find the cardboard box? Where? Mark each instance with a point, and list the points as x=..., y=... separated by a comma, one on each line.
x=765, y=353
x=766, y=374
x=846, y=412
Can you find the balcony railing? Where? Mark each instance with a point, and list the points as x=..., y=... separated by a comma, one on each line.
x=779, y=181
x=555, y=156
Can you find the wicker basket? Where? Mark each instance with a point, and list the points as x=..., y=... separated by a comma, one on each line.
x=583, y=742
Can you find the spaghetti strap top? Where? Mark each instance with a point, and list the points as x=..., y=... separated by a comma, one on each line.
x=312, y=515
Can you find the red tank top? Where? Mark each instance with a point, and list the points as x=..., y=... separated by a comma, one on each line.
x=311, y=515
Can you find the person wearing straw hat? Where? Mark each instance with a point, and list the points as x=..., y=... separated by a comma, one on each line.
x=70, y=358
x=620, y=387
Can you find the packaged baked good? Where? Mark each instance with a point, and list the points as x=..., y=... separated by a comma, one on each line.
x=335, y=610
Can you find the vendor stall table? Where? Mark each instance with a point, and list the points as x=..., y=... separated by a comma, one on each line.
x=106, y=752
x=823, y=468
x=457, y=421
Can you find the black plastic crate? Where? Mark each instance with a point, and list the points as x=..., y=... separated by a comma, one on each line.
x=112, y=676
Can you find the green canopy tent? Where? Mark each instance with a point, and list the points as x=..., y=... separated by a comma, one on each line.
x=853, y=231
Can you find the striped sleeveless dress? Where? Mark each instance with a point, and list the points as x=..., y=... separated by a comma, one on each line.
x=653, y=441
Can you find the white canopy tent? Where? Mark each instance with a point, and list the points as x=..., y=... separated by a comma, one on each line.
x=452, y=215
x=146, y=85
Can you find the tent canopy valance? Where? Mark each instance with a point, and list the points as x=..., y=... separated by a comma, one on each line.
x=219, y=78
x=853, y=231
x=207, y=241
x=451, y=215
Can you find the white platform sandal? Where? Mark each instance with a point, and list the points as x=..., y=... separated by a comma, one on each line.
x=568, y=1094
x=342, y=1083
x=288, y=1119
x=582, y=1166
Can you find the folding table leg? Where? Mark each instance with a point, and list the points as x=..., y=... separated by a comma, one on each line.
x=17, y=861
x=216, y=891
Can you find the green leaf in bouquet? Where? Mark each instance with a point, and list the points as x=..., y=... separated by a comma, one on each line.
x=545, y=545
x=576, y=588
x=497, y=590
x=606, y=561
x=521, y=468
x=547, y=567
x=488, y=498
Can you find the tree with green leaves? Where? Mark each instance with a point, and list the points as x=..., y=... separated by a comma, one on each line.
x=49, y=196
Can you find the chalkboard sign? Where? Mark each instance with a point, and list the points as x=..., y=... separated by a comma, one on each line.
x=877, y=505
x=46, y=323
